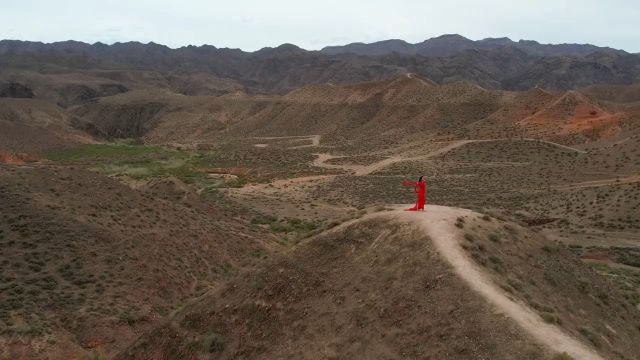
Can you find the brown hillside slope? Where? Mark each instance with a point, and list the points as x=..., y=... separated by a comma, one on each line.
x=30, y=125
x=74, y=87
x=614, y=93
x=380, y=287
x=404, y=89
x=573, y=113
x=160, y=116
x=88, y=261
x=401, y=109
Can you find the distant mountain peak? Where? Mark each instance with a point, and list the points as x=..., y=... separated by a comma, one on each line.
x=449, y=44
x=284, y=49
x=450, y=37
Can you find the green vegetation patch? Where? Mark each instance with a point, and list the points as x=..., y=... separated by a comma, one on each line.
x=287, y=225
x=142, y=161
x=101, y=151
x=626, y=280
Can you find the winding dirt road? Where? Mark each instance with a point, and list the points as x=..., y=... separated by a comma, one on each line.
x=362, y=170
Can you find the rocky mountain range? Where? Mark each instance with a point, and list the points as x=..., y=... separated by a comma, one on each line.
x=207, y=70
x=449, y=44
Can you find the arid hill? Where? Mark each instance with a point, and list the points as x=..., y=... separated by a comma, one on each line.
x=33, y=125
x=385, y=286
x=403, y=108
x=89, y=262
x=490, y=63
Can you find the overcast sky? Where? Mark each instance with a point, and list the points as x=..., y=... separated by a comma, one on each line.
x=253, y=24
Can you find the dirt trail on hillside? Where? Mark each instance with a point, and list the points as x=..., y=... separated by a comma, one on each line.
x=315, y=140
x=362, y=170
x=603, y=182
x=438, y=223
x=284, y=182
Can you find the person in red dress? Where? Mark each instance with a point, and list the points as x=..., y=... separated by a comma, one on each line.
x=420, y=187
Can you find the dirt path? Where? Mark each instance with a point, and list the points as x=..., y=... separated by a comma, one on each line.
x=559, y=145
x=438, y=223
x=414, y=76
x=315, y=140
x=362, y=170
x=283, y=182
x=603, y=182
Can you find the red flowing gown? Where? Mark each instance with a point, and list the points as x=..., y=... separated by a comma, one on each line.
x=420, y=187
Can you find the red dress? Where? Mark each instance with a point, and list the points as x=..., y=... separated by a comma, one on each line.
x=420, y=187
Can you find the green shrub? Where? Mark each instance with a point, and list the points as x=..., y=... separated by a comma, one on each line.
x=562, y=356
x=279, y=227
x=550, y=318
x=589, y=336
x=95, y=356
x=212, y=343
x=264, y=220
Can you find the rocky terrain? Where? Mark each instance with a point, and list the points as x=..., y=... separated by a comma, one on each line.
x=204, y=203
x=207, y=70
x=447, y=45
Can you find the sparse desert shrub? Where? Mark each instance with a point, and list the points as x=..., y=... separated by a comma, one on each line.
x=260, y=254
x=550, y=318
x=279, y=227
x=333, y=224
x=506, y=288
x=258, y=283
x=302, y=225
x=515, y=284
x=227, y=268
x=589, y=336
x=95, y=356
x=541, y=308
x=212, y=343
x=562, y=356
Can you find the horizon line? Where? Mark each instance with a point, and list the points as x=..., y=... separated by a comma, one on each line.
x=306, y=49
